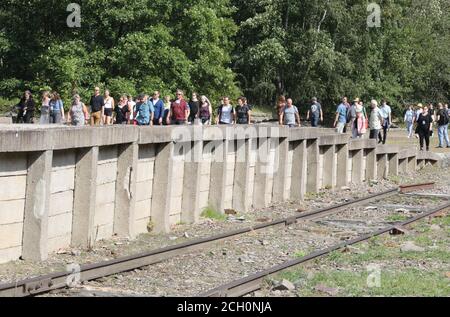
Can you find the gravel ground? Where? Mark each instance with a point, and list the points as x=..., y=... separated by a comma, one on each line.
x=117, y=247
x=194, y=273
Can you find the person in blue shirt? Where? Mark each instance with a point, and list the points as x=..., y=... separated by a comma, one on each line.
x=409, y=120
x=341, y=116
x=158, y=108
x=386, y=113
x=143, y=111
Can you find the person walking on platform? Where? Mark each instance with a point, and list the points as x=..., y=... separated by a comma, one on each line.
x=158, y=108
x=386, y=113
x=443, y=121
x=375, y=120
x=78, y=112
x=226, y=113
x=97, y=104
x=424, y=128
x=341, y=116
x=179, y=110
x=409, y=120
x=315, y=113
x=45, y=108
x=26, y=108
x=290, y=115
x=56, y=109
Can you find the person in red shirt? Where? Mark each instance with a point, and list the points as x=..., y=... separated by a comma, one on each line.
x=179, y=110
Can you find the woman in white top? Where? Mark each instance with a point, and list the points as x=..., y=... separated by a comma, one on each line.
x=108, y=108
x=45, y=108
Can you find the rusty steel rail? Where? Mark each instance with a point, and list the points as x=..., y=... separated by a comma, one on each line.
x=254, y=282
x=405, y=189
x=46, y=283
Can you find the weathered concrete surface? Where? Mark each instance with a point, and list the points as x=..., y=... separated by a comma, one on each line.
x=124, y=212
x=85, y=198
x=127, y=180
x=37, y=201
x=6, y=120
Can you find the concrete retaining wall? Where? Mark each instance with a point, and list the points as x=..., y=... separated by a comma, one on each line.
x=62, y=187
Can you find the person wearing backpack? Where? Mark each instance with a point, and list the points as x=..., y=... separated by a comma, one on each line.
x=443, y=121
x=315, y=113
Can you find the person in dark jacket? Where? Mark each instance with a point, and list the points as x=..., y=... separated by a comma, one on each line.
x=424, y=128
x=158, y=107
x=194, y=107
x=26, y=108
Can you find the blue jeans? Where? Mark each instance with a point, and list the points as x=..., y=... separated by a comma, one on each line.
x=443, y=135
x=314, y=122
x=410, y=126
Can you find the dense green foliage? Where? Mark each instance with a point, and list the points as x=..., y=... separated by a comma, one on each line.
x=262, y=48
x=318, y=48
x=126, y=46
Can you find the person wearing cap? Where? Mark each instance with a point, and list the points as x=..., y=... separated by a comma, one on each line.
x=351, y=117
x=315, y=113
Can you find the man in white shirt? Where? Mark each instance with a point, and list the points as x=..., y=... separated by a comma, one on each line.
x=386, y=114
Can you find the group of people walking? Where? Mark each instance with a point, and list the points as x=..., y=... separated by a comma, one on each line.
x=144, y=110
x=360, y=120
x=420, y=120
x=378, y=120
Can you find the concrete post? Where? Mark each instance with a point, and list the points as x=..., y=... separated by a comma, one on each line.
x=162, y=189
x=412, y=164
x=190, y=212
x=382, y=166
x=262, y=174
x=342, y=166
x=329, y=167
x=393, y=164
x=371, y=164
x=241, y=200
x=124, y=211
x=299, y=167
x=280, y=192
x=420, y=164
x=357, y=166
x=83, y=233
x=218, y=181
x=37, y=201
x=312, y=184
x=403, y=165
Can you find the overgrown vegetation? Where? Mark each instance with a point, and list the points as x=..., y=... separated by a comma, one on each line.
x=401, y=273
x=210, y=213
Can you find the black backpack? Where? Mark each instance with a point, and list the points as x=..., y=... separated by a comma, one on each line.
x=444, y=118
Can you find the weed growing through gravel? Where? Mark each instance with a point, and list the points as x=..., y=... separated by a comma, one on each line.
x=344, y=273
x=397, y=218
x=210, y=213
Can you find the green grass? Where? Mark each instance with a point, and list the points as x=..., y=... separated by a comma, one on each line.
x=397, y=218
x=300, y=254
x=210, y=213
x=348, y=272
x=410, y=282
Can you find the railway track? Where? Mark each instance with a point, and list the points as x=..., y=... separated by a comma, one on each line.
x=84, y=273
x=252, y=283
